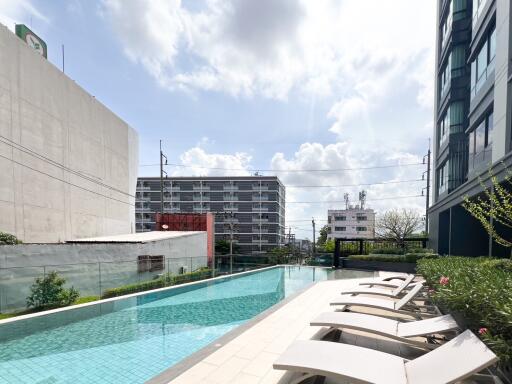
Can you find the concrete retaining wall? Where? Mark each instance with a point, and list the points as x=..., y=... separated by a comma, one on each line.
x=92, y=267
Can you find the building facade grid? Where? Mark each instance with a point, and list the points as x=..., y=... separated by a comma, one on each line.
x=252, y=206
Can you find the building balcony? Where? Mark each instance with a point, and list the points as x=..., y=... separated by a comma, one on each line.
x=233, y=188
x=260, y=209
x=260, y=198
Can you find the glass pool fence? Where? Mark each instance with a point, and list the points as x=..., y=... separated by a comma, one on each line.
x=97, y=278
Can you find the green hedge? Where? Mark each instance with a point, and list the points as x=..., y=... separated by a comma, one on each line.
x=387, y=251
x=164, y=281
x=480, y=289
x=399, y=251
x=407, y=258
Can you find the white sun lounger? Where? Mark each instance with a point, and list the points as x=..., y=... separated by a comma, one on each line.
x=404, y=305
x=456, y=360
x=388, y=282
x=396, y=292
x=393, y=329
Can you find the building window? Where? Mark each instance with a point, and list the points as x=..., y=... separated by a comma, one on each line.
x=446, y=25
x=361, y=229
x=147, y=263
x=444, y=78
x=442, y=178
x=340, y=229
x=483, y=65
x=478, y=7
x=480, y=142
x=459, y=9
x=340, y=218
x=451, y=122
x=362, y=218
x=443, y=128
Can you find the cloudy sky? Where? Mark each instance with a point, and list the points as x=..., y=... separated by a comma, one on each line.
x=284, y=85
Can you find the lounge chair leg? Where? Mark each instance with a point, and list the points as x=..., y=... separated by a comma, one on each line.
x=301, y=378
x=485, y=379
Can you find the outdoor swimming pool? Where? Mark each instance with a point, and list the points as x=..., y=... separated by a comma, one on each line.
x=132, y=340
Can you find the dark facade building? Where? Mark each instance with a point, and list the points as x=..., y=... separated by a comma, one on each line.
x=250, y=207
x=472, y=131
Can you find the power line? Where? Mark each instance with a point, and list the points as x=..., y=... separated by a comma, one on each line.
x=339, y=201
x=353, y=185
x=286, y=170
x=66, y=182
x=30, y=152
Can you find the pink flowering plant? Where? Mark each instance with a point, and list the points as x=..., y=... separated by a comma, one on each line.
x=479, y=290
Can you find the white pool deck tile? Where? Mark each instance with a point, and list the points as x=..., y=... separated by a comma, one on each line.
x=248, y=358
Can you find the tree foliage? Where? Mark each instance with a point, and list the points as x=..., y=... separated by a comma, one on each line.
x=493, y=207
x=49, y=292
x=323, y=235
x=398, y=224
x=278, y=255
x=329, y=245
x=222, y=247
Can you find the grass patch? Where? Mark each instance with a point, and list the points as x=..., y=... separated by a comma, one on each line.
x=7, y=315
x=479, y=289
x=86, y=299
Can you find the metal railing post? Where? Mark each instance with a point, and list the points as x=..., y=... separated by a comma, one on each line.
x=168, y=277
x=99, y=276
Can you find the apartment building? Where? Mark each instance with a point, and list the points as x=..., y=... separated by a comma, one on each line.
x=472, y=118
x=250, y=207
x=351, y=223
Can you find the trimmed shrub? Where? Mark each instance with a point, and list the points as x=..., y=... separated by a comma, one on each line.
x=49, y=292
x=163, y=281
x=480, y=289
x=407, y=258
x=8, y=239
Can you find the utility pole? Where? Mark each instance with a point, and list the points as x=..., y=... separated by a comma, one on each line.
x=428, y=187
x=162, y=178
x=314, y=242
x=231, y=230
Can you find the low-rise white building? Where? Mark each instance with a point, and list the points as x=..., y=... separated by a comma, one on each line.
x=352, y=223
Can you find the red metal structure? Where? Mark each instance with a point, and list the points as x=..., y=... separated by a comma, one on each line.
x=189, y=222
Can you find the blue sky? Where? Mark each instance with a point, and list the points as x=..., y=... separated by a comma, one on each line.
x=267, y=84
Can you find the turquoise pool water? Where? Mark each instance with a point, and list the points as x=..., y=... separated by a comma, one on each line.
x=131, y=340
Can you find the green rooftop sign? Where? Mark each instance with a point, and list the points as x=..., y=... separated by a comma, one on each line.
x=29, y=37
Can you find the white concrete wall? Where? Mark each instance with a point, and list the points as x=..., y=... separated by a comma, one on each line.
x=91, y=267
x=502, y=72
x=48, y=114
x=351, y=223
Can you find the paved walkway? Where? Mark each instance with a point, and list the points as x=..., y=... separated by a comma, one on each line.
x=248, y=358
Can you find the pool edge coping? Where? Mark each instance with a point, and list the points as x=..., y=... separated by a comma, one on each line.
x=131, y=295
x=136, y=294
x=184, y=365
